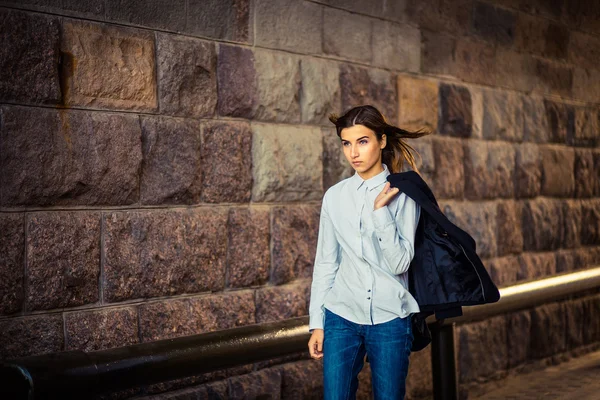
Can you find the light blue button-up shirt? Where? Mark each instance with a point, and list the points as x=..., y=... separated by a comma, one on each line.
x=362, y=258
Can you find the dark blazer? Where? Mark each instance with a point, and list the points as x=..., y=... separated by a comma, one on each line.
x=446, y=273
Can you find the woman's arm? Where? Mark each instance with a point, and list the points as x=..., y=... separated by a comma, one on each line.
x=396, y=233
x=325, y=268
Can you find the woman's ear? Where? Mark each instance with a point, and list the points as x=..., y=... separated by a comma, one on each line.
x=383, y=141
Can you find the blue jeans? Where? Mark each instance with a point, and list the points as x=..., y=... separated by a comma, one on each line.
x=344, y=347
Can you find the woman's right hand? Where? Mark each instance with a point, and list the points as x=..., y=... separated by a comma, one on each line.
x=315, y=344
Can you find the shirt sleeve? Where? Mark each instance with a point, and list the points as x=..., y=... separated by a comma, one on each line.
x=325, y=268
x=396, y=233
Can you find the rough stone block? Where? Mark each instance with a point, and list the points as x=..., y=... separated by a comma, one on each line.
x=596, y=155
x=163, y=14
x=475, y=360
x=63, y=259
x=475, y=61
x=29, y=46
x=172, y=167
x=493, y=23
x=187, y=76
x=548, y=9
x=88, y=8
x=398, y=46
x=565, y=261
x=536, y=122
x=575, y=322
x=584, y=14
x=590, y=230
x=302, y=380
x=220, y=19
x=237, y=82
x=510, y=234
x=158, y=253
x=279, y=82
x=528, y=173
x=286, y=163
x=264, y=384
x=479, y=219
x=557, y=165
x=320, y=91
x=282, y=302
x=249, y=257
x=515, y=70
x=542, y=222
x=191, y=316
x=289, y=25
x=561, y=121
x=585, y=180
x=424, y=158
x=419, y=383
x=554, y=78
x=347, y=35
x=294, y=238
x=101, y=329
x=502, y=116
x=369, y=86
x=29, y=336
x=449, y=175
x=438, y=53
x=374, y=8
x=12, y=262
x=441, y=15
x=592, y=314
x=69, y=157
x=489, y=169
x=503, y=270
x=534, y=266
x=105, y=66
x=584, y=50
x=227, y=162
x=519, y=327
x=335, y=165
x=541, y=37
x=548, y=330
x=586, y=84
x=418, y=103
x=572, y=224
x=587, y=128
x=456, y=117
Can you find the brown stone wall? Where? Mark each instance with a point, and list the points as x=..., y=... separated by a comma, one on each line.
x=162, y=165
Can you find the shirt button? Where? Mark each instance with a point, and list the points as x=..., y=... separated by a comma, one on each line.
x=368, y=298
x=380, y=239
x=369, y=290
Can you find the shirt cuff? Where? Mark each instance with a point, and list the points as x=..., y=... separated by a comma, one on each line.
x=316, y=321
x=382, y=218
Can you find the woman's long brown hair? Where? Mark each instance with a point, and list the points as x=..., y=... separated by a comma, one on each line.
x=396, y=150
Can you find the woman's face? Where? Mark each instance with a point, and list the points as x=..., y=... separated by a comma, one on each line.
x=363, y=150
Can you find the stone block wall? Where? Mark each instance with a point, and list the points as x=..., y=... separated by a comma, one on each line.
x=162, y=165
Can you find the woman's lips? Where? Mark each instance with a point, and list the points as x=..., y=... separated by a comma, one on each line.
x=356, y=163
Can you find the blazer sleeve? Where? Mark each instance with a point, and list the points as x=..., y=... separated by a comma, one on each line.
x=396, y=232
x=325, y=268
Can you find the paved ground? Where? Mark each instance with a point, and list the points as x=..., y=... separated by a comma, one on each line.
x=578, y=379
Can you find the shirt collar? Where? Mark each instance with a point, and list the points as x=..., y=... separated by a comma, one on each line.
x=372, y=182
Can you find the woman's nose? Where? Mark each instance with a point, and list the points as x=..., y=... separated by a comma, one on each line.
x=354, y=152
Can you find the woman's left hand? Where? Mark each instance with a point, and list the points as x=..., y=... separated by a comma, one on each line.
x=386, y=195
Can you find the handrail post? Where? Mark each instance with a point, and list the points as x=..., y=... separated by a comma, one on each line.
x=442, y=362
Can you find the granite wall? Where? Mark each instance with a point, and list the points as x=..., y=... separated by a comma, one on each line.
x=162, y=165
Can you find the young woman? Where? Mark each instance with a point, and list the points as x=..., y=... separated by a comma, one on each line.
x=360, y=303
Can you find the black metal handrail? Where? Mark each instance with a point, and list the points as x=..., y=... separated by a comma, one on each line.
x=74, y=374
